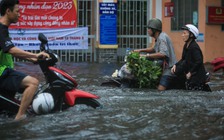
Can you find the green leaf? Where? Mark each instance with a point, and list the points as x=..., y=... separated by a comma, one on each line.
x=146, y=72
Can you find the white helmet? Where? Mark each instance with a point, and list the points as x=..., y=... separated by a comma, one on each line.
x=43, y=103
x=191, y=28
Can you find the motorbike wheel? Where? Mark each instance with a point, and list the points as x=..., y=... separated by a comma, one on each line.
x=89, y=102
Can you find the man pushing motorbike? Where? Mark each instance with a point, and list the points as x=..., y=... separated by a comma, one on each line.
x=162, y=50
x=11, y=80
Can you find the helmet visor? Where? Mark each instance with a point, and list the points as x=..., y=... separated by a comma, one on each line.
x=185, y=28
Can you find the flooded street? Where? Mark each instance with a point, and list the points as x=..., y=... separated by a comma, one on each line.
x=127, y=113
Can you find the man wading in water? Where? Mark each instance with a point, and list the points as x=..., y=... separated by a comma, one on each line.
x=162, y=50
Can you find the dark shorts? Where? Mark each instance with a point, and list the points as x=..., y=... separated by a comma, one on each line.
x=10, y=81
x=166, y=80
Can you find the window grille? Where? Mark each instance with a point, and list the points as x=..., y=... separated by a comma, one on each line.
x=185, y=12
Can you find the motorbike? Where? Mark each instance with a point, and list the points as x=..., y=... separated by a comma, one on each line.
x=124, y=78
x=59, y=85
x=178, y=83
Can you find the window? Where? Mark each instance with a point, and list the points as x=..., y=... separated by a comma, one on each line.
x=185, y=11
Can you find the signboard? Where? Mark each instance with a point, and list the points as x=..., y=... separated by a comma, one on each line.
x=108, y=29
x=200, y=37
x=47, y=14
x=215, y=15
x=169, y=9
x=108, y=24
x=58, y=39
x=56, y=19
x=108, y=8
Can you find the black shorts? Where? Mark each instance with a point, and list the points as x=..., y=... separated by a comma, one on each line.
x=10, y=81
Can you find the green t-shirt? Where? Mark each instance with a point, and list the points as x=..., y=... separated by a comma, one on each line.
x=6, y=44
x=5, y=61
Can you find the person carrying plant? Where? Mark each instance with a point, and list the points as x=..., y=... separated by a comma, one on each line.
x=162, y=50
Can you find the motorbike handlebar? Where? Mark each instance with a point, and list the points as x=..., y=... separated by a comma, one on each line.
x=40, y=57
x=51, y=60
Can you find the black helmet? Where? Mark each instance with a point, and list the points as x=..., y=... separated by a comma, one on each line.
x=155, y=23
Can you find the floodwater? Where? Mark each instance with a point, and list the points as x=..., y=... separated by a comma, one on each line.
x=127, y=113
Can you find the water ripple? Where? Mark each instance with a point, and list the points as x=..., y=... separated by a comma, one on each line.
x=126, y=114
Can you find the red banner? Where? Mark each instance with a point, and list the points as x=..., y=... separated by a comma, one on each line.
x=47, y=14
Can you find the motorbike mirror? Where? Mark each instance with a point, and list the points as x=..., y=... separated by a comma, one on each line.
x=42, y=38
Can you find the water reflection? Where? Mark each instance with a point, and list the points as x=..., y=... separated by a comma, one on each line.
x=126, y=113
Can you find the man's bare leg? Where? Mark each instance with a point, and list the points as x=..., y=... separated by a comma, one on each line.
x=30, y=84
x=161, y=88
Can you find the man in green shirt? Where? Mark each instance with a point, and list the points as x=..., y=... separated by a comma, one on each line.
x=11, y=80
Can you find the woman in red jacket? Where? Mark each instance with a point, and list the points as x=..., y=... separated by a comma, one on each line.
x=191, y=65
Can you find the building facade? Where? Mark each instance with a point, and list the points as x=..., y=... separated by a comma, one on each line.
x=131, y=27
x=209, y=23
x=134, y=14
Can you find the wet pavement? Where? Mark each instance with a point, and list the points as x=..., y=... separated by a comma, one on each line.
x=127, y=113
